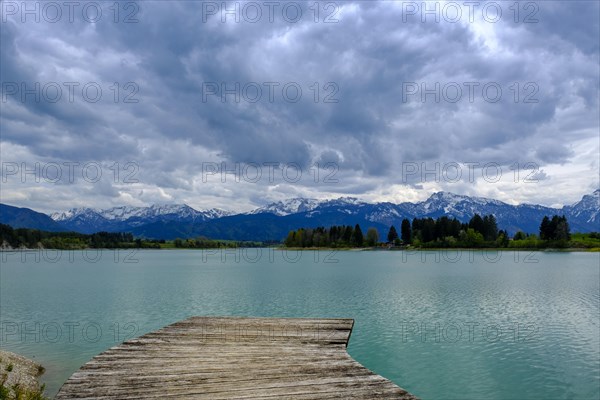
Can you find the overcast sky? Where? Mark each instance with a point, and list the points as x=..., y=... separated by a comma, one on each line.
x=377, y=100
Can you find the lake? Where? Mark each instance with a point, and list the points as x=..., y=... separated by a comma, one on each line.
x=441, y=324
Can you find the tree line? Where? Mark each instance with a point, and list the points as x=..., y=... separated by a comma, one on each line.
x=334, y=236
x=206, y=243
x=556, y=228
x=33, y=238
x=16, y=238
x=450, y=232
x=441, y=232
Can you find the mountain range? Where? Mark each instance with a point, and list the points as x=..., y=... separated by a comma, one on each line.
x=126, y=218
x=275, y=220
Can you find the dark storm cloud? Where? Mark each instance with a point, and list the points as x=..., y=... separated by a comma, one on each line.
x=363, y=62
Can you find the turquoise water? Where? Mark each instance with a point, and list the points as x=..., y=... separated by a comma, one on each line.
x=443, y=325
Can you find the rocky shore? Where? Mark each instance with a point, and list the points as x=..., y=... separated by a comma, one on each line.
x=19, y=377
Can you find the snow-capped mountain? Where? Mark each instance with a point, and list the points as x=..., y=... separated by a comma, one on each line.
x=287, y=207
x=524, y=217
x=85, y=220
x=588, y=208
x=299, y=205
x=126, y=217
x=65, y=215
x=351, y=206
x=275, y=220
x=453, y=204
x=583, y=215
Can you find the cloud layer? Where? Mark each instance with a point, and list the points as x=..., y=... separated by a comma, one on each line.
x=381, y=100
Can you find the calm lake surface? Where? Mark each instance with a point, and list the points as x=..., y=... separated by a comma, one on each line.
x=443, y=325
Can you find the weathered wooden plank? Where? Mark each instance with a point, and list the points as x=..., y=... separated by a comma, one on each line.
x=221, y=358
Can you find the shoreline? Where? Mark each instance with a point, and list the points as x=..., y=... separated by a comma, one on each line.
x=549, y=250
x=19, y=374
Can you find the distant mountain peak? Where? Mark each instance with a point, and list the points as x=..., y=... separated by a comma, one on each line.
x=347, y=200
x=124, y=218
x=123, y=213
x=453, y=196
x=446, y=195
x=588, y=208
x=287, y=207
x=72, y=213
x=20, y=217
x=300, y=204
x=180, y=220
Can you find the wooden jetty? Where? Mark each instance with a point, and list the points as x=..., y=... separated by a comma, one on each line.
x=233, y=358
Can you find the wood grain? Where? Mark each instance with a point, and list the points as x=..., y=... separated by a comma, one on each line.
x=221, y=358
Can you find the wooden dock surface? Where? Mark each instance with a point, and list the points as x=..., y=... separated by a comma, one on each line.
x=233, y=358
